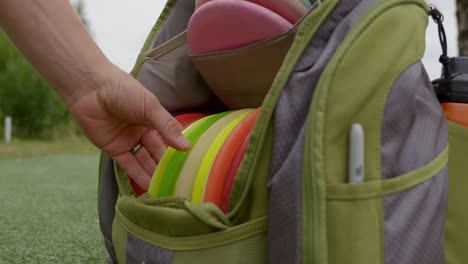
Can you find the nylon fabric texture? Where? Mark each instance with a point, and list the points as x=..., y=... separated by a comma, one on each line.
x=106, y=202
x=177, y=21
x=456, y=224
x=170, y=74
x=151, y=37
x=414, y=132
x=290, y=127
x=248, y=251
x=414, y=222
x=347, y=94
x=138, y=251
x=414, y=129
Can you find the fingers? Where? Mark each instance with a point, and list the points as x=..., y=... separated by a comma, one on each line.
x=133, y=168
x=169, y=128
x=126, y=99
x=153, y=144
x=145, y=160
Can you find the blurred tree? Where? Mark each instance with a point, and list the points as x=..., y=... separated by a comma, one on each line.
x=25, y=96
x=462, y=16
x=36, y=109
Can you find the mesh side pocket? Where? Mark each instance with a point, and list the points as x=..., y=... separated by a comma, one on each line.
x=414, y=223
x=399, y=220
x=139, y=252
x=107, y=200
x=414, y=132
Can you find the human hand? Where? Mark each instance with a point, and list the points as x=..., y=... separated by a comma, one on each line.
x=118, y=115
x=113, y=109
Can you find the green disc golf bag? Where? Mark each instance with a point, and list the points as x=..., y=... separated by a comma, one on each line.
x=346, y=62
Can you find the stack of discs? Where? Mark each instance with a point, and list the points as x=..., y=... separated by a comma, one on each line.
x=185, y=120
x=206, y=172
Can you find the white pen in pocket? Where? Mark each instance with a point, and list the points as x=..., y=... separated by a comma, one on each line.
x=356, y=154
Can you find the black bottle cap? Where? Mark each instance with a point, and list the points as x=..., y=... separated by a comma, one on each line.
x=453, y=88
x=458, y=65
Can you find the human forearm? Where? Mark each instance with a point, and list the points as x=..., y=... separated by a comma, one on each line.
x=112, y=108
x=54, y=40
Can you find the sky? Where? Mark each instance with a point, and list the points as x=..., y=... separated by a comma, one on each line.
x=120, y=28
x=433, y=49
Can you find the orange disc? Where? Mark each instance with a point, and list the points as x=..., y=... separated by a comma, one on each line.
x=456, y=112
x=219, y=170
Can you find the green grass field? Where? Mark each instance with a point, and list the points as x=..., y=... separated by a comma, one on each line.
x=48, y=203
x=28, y=148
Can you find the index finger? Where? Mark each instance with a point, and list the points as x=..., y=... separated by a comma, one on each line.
x=166, y=125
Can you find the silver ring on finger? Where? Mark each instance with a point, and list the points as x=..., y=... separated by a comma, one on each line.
x=136, y=148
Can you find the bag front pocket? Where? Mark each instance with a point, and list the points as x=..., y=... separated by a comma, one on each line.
x=169, y=73
x=176, y=231
x=242, y=77
x=393, y=221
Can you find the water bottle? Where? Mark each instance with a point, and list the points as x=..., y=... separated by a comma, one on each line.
x=452, y=90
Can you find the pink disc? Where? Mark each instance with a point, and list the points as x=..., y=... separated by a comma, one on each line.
x=225, y=24
x=292, y=10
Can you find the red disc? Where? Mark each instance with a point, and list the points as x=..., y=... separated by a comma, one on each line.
x=137, y=189
x=185, y=120
x=231, y=175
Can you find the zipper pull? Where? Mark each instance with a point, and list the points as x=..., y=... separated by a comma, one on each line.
x=436, y=15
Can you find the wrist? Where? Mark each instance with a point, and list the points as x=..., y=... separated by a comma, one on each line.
x=89, y=80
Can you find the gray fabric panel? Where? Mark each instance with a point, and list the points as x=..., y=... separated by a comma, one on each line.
x=414, y=132
x=139, y=252
x=289, y=131
x=106, y=206
x=178, y=93
x=414, y=222
x=414, y=129
x=177, y=21
x=174, y=79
